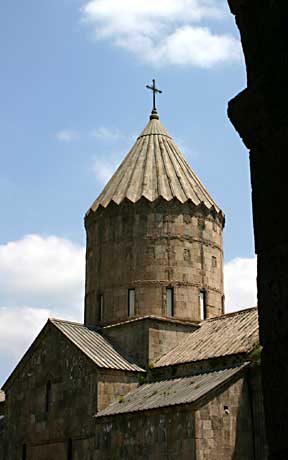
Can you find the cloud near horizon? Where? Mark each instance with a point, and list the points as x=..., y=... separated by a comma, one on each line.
x=107, y=134
x=44, y=276
x=104, y=163
x=40, y=277
x=67, y=135
x=168, y=32
x=240, y=288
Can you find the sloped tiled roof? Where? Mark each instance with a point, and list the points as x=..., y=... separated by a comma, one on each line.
x=95, y=346
x=155, y=168
x=229, y=334
x=170, y=392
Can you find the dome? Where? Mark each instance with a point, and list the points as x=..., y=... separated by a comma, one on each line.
x=154, y=168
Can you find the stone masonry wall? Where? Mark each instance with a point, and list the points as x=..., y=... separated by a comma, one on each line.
x=163, y=336
x=132, y=337
x=113, y=385
x=73, y=387
x=149, y=247
x=48, y=451
x=147, y=339
x=223, y=426
x=76, y=391
x=218, y=429
x=154, y=435
x=258, y=415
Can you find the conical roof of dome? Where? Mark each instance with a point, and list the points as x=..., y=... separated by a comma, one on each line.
x=154, y=168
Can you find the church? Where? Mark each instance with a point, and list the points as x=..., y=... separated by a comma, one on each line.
x=157, y=370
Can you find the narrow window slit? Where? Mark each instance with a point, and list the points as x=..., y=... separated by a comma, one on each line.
x=131, y=302
x=100, y=307
x=48, y=397
x=202, y=302
x=169, y=302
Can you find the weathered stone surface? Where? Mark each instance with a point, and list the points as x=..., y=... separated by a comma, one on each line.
x=149, y=247
x=156, y=435
x=76, y=394
x=224, y=427
x=259, y=114
x=147, y=339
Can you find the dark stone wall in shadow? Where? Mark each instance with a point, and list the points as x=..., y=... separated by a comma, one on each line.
x=260, y=115
x=252, y=402
x=223, y=424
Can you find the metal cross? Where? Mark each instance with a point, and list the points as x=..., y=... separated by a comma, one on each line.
x=155, y=90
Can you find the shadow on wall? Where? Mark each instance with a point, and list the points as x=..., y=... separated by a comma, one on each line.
x=250, y=425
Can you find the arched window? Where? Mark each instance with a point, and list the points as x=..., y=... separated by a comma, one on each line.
x=69, y=450
x=48, y=397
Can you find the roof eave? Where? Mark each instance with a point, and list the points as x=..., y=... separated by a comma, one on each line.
x=197, y=401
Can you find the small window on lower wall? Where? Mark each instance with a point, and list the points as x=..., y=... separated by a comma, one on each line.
x=70, y=450
x=169, y=302
x=202, y=302
x=48, y=396
x=131, y=302
x=24, y=452
x=100, y=307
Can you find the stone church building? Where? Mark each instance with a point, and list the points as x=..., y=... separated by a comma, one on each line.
x=157, y=370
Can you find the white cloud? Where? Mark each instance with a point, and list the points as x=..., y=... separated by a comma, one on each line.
x=39, y=277
x=196, y=46
x=105, y=164
x=67, y=135
x=106, y=134
x=240, y=283
x=18, y=327
x=42, y=272
x=44, y=276
x=164, y=32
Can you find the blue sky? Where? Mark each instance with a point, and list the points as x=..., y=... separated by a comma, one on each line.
x=73, y=100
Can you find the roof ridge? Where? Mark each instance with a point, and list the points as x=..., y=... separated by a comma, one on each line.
x=232, y=313
x=59, y=320
x=160, y=318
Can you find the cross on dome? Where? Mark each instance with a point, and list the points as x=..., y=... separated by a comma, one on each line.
x=155, y=91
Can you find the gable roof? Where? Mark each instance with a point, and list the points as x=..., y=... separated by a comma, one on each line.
x=154, y=168
x=171, y=392
x=95, y=346
x=225, y=335
x=90, y=342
